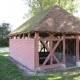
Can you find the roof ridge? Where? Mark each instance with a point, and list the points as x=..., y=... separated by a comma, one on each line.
x=61, y=21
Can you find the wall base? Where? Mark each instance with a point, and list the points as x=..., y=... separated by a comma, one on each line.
x=77, y=64
x=38, y=69
x=63, y=66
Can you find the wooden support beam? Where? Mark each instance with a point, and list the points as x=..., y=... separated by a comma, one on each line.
x=51, y=47
x=67, y=47
x=51, y=36
x=15, y=36
x=51, y=54
x=53, y=39
x=19, y=36
x=69, y=50
x=10, y=37
x=60, y=47
x=68, y=43
x=63, y=48
x=70, y=37
x=36, y=50
x=56, y=59
x=58, y=50
x=51, y=66
x=74, y=48
x=23, y=36
x=45, y=45
x=51, y=60
x=77, y=48
x=28, y=35
x=41, y=48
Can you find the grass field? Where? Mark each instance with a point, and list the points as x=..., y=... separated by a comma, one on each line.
x=9, y=71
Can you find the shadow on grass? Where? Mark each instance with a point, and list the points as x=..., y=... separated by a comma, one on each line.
x=9, y=71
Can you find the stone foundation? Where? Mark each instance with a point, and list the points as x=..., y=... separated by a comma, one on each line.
x=77, y=64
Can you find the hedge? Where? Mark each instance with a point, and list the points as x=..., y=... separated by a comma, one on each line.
x=4, y=42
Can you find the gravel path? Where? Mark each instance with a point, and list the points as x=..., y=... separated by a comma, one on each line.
x=4, y=49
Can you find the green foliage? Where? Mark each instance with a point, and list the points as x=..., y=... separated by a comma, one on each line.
x=38, y=5
x=9, y=71
x=30, y=24
x=4, y=42
x=5, y=29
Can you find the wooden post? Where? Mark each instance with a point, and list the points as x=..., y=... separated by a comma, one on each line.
x=77, y=48
x=28, y=35
x=36, y=49
x=23, y=36
x=74, y=48
x=51, y=53
x=19, y=36
x=51, y=45
x=12, y=37
x=67, y=46
x=15, y=36
x=63, y=48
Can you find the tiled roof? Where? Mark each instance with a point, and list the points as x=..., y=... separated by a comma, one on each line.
x=53, y=19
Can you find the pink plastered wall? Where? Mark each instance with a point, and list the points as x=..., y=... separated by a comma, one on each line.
x=23, y=50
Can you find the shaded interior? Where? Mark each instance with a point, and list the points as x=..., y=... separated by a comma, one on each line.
x=70, y=51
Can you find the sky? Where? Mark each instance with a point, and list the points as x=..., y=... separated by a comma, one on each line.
x=12, y=11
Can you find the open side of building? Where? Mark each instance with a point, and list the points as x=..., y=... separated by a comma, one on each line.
x=48, y=40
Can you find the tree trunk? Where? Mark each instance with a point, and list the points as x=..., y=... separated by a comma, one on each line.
x=41, y=7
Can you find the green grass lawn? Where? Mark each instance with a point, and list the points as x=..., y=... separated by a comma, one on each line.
x=9, y=71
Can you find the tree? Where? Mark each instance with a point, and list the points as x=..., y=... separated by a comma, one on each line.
x=5, y=29
x=39, y=5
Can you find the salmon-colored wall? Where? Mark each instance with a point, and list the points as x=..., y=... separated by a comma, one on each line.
x=23, y=50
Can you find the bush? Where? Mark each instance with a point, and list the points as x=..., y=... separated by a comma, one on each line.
x=4, y=42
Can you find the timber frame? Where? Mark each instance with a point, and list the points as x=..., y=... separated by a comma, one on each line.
x=52, y=37
x=51, y=43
